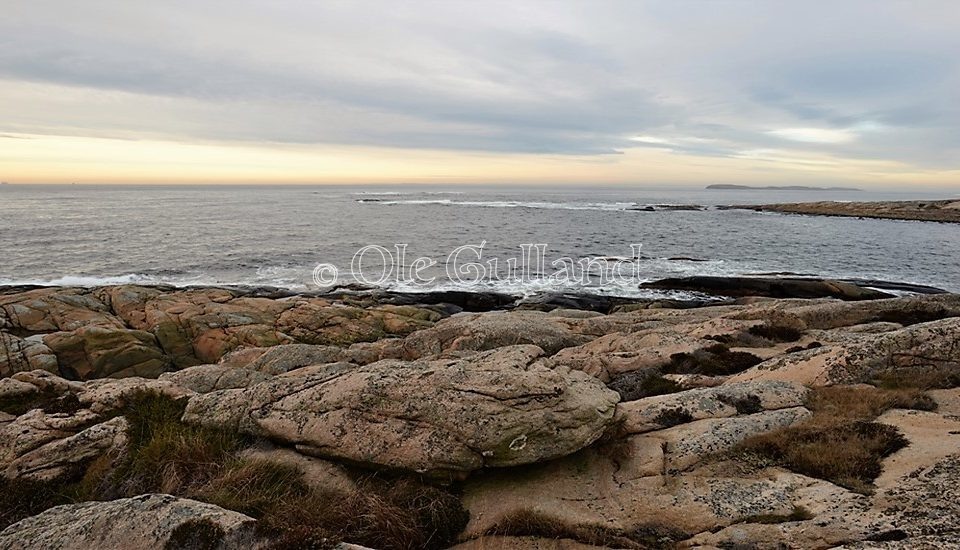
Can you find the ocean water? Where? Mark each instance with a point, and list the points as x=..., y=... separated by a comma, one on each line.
x=277, y=235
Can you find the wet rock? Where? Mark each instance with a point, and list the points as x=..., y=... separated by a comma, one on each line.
x=774, y=287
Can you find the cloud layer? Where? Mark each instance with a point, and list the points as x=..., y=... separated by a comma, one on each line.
x=872, y=81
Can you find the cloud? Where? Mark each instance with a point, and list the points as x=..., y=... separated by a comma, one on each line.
x=540, y=77
x=815, y=135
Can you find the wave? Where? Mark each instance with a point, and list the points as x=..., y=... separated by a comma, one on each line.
x=542, y=205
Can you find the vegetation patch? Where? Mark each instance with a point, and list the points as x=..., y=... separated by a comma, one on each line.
x=923, y=377
x=643, y=383
x=22, y=498
x=848, y=455
x=673, y=417
x=845, y=403
x=840, y=442
x=799, y=513
x=811, y=345
x=747, y=404
x=196, y=534
x=533, y=524
x=716, y=360
x=776, y=333
x=49, y=402
x=398, y=514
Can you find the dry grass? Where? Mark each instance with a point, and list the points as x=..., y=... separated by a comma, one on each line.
x=840, y=442
x=924, y=377
x=532, y=524
x=168, y=456
x=844, y=403
x=398, y=515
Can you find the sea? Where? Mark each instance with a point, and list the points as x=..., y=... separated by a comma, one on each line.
x=519, y=240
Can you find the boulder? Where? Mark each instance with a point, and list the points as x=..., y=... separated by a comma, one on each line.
x=485, y=331
x=207, y=378
x=152, y=521
x=664, y=411
x=36, y=429
x=688, y=444
x=107, y=395
x=936, y=343
x=285, y=358
x=97, y=352
x=621, y=352
x=313, y=322
x=61, y=457
x=498, y=408
x=25, y=354
x=54, y=309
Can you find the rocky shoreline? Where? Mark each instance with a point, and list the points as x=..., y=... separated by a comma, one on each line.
x=946, y=211
x=770, y=414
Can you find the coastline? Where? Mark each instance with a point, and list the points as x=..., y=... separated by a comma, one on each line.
x=944, y=211
x=772, y=419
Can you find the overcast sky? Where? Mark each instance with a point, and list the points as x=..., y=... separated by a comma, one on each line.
x=447, y=91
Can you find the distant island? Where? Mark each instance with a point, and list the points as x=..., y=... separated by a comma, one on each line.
x=729, y=186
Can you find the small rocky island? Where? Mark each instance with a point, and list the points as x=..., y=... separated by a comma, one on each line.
x=930, y=211
x=156, y=417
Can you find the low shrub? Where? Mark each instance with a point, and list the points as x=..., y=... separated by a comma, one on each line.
x=643, y=383
x=748, y=404
x=196, y=534
x=799, y=513
x=776, y=333
x=396, y=515
x=673, y=417
x=716, y=360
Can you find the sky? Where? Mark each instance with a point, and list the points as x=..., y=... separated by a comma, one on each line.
x=675, y=92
